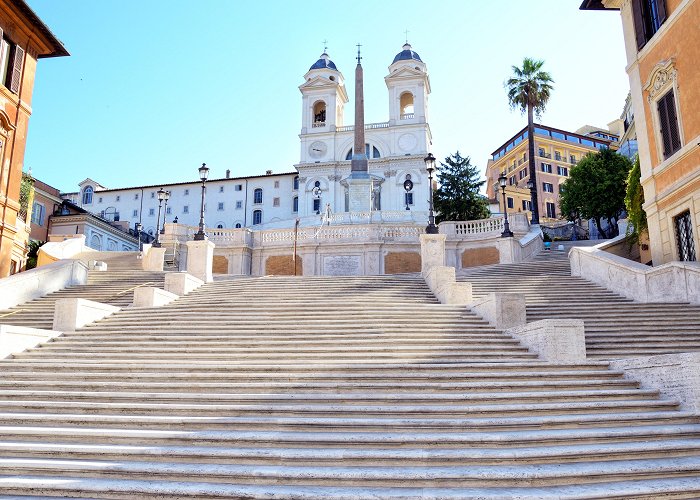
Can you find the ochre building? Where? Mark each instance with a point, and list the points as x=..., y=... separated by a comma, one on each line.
x=24, y=40
x=662, y=42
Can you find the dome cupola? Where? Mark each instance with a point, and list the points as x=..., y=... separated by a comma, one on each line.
x=407, y=54
x=324, y=62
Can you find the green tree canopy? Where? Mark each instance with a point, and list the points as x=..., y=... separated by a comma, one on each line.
x=634, y=199
x=595, y=189
x=458, y=196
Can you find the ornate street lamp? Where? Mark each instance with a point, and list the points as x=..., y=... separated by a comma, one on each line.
x=165, y=210
x=503, y=181
x=161, y=197
x=408, y=186
x=430, y=167
x=203, y=174
x=138, y=227
x=535, y=219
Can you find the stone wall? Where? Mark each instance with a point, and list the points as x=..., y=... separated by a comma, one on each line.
x=473, y=257
x=220, y=264
x=283, y=265
x=402, y=262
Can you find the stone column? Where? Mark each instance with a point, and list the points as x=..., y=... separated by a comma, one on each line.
x=432, y=251
x=200, y=259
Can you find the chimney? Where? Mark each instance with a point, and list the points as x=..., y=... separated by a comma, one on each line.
x=228, y=173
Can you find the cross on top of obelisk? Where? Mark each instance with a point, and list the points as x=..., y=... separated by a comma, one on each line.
x=359, y=57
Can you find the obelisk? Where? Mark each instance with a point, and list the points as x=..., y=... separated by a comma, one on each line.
x=359, y=182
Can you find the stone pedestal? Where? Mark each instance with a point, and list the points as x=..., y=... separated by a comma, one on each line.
x=502, y=310
x=200, y=259
x=432, y=251
x=149, y=296
x=554, y=340
x=71, y=314
x=153, y=259
x=359, y=192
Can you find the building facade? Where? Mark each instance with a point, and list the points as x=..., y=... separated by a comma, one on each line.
x=24, y=39
x=662, y=41
x=47, y=201
x=557, y=151
x=317, y=189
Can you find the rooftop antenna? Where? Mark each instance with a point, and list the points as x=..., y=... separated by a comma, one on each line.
x=359, y=57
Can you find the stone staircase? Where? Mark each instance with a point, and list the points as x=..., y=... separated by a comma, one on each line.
x=114, y=286
x=327, y=388
x=615, y=327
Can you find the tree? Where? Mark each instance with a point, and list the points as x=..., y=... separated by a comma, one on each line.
x=595, y=189
x=528, y=90
x=33, y=253
x=634, y=199
x=458, y=196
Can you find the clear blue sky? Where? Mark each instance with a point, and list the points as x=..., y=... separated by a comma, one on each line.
x=154, y=88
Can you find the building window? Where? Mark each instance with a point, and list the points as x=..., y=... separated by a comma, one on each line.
x=540, y=152
x=563, y=171
x=221, y=189
x=551, y=210
x=186, y=209
x=119, y=197
x=668, y=121
x=168, y=210
x=547, y=187
x=295, y=204
x=136, y=196
x=239, y=187
x=295, y=183
x=511, y=180
x=527, y=205
x=546, y=168
x=522, y=174
x=238, y=225
x=510, y=202
x=684, y=237
x=648, y=16
x=572, y=159
x=257, y=196
x=38, y=212
x=220, y=206
x=87, y=195
x=151, y=211
x=277, y=184
x=374, y=151
x=257, y=217
x=135, y=213
x=557, y=155
x=275, y=202
x=12, y=59
x=408, y=199
x=153, y=194
x=239, y=204
x=99, y=200
x=187, y=192
x=317, y=205
x=219, y=226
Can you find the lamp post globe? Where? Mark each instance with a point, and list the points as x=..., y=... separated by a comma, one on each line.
x=138, y=227
x=161, y=197
x=166, y=197
x=503, y=182
x=430, y=168
x=200, y=235
x=408, y=186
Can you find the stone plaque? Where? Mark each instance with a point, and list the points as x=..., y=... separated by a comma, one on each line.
x=342, y=265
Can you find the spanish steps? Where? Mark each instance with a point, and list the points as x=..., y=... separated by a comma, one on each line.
x=327, y=388
x=615, y=327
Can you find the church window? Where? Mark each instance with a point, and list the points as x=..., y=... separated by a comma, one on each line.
x=258, y=196
x=219, y=226
x=238, y=225
x=239, y=204
x=295, y=204
x=295, y=183
x=135, y=213
x=374, y=150
x=319, y=114
x=275, y=202
x=186, y=209
x=317, y=205
x=151, y=211
x=220, y=206
x=257, y=217
x=317, y=184
x=409, y=198
x=406, y=103
x=87, y=195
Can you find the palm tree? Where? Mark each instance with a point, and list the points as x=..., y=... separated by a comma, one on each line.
x=528, y=90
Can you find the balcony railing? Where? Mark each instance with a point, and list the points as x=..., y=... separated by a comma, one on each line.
x=408, y=116
x=368, y=126
x=318, y=124
x=546, y=155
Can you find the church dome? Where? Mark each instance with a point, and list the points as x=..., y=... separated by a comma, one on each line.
x=323, y=62
x=407, y=54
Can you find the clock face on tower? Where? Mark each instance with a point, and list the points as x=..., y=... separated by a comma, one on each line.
x=318, y=149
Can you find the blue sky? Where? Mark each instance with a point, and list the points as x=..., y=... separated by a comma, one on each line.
x=153, y=88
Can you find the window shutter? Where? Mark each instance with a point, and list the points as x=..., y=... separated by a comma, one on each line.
x=674, y=135
x=638, y=15
x=17, y=69
x=661, y=10
x=664, y=128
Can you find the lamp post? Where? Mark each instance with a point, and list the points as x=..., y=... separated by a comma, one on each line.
x=138, y=228
x=430, y=167
x=203, y=173
x=535, y=218
x=166, y=197
x=161, y=197
x=507, y=233
x=407, y=185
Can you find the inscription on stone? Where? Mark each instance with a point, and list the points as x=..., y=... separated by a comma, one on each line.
x=342, y=265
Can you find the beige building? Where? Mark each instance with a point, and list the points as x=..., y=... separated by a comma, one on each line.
x=557, y=151
x=662, y=42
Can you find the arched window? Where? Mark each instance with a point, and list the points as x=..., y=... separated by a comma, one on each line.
x=295, y=183
x=96, y=242
x=406, y=103
x=295, y=204
x=87, y=195
x=257, y=217
x=319, y=114
x=375, y=153
x=219, y=226
x=257, y=196
x=238, y=225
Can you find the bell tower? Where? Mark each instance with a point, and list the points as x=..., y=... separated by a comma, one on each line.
x=409, y=87
x=323, y=97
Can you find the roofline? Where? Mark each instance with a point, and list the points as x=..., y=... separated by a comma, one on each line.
x=551, y=129
x=59, y=50
x=595, y=5
x=188, y=182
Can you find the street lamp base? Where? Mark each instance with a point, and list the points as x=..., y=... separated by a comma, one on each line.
x=200, y=236
x=156, y=244
x=507, y=234
x=432, y=229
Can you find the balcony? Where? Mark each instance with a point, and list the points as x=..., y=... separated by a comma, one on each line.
x=407, y=116
x=318, y=124
x=369, y=126
x=545, y=155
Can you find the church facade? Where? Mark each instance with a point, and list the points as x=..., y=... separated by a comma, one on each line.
x=318, y=190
